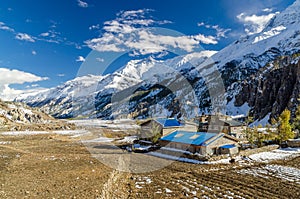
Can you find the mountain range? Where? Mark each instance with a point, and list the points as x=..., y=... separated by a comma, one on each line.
x=258, y=75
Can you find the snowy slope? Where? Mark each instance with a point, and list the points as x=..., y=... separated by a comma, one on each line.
x=91, y=96
x=81, y=96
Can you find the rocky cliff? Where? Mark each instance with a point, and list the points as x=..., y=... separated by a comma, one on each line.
x=274, y=88
x=18, y=116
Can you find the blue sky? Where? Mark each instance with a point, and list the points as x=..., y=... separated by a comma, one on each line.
x=45, y=42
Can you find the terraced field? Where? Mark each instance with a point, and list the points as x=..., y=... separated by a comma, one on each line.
x=232, y=181
x=59, y=166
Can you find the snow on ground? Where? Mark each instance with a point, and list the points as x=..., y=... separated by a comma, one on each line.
x=263, y=121
x=16, y=133
x=275, y=154
x=283, y=172
x=271, y=33
x=113, y=124
x=234, y=110
x=4, y=143
x=142, y=181
x=170, y=157
x=259, y=157
x=98, y=140
x=73, y=133
x=128, y=139
x=168, y=190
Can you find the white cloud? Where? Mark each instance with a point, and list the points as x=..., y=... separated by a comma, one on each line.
x=51, y=36
x=201, y=24
x=33, y=86
x=5, y=27
x=61, y=75
x=10, y=94
x=82, y=4
x=93, y=27
x=9, y=77
x=33, y=52
x=24, y=37
x=80, y=59
x=267, y=10
x=220, y=32
x=206, y=39
x=45, y=34
x=131, y=31
x=254, y=23
x=100, y=59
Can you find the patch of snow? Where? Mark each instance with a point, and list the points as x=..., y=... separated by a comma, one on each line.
x=170, y=157
x=138, y=186
x=4, y=143
x=168, y=190
x=262, y=122
x=271, y=33
x=235, y=110
x=26, y=111
x=71, y=132
x=100, y=139
x=238, y=116
x=17, y=133
x=115, y=124
x=128, y=139
x=275, y=154
x=283, y=172
x=11, y=106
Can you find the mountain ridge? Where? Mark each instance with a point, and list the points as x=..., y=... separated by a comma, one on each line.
x=144, y=83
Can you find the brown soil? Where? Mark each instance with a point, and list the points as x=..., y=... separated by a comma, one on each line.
x=55, y=166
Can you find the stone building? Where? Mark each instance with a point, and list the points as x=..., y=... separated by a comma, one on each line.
x=202, y=143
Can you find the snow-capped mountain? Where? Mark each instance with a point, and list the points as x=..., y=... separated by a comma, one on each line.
x=83, y=96
x=185, y=85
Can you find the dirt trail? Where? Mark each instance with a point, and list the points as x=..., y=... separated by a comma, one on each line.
x=113, y=187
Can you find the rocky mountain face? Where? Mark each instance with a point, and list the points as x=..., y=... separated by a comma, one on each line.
x=274, y=88
x=18, y=116
x=258, y=74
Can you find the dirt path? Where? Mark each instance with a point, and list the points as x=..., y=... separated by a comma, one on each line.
x=114, y=185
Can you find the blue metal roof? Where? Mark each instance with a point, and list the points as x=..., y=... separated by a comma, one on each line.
x=228, y=146
x=168, y=122
x=195, y=138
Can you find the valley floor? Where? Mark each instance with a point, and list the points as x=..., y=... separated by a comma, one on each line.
x=60, y=166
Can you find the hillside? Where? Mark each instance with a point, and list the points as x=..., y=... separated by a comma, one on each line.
x=18, y=116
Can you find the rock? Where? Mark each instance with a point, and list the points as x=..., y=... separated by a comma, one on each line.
x=272, y=90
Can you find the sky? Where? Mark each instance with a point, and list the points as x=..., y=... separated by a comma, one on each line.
x=45, y=43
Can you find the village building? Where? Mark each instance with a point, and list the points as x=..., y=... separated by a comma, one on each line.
x=222, y=124
x=164, y=126
x=202, y=143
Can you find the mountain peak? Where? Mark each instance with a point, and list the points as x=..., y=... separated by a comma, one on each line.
x=289, y=17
